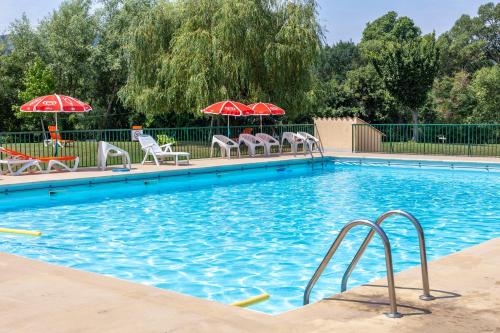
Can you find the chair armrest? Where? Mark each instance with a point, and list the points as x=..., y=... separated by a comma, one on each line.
x=167, y=147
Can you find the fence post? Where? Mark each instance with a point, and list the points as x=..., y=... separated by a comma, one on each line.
x=468, y=141
x=353, y=147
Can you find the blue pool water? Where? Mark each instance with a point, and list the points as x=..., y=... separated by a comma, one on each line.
x=228, y=236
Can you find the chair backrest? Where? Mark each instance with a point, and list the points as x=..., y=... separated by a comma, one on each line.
x=250, y=137
x=308, y=136
x=52, y=131
x=103, y=145
x=291, y=137
x=14, y=153
x=147, y=141
x=265, y=137
x=224, y=139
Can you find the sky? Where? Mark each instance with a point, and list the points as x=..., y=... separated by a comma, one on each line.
x=341, y=19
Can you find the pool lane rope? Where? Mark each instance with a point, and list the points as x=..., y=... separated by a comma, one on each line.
x=20, y=232
x=251, y=300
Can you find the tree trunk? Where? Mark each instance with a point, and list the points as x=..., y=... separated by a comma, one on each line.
x=414, y=116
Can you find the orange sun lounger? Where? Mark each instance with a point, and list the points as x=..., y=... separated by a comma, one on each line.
x=56, y=137
x=51, y=161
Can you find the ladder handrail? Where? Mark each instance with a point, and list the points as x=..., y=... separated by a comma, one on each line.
x=423, y=255
x=388, y=262
x=321, y=149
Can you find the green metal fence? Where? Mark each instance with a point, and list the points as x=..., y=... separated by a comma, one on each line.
x=427, y=139
x=195, y=140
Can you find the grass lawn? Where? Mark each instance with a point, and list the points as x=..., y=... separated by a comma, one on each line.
x=87, y=150
x=411, y=147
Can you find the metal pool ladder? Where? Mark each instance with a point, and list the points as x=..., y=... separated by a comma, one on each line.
x=375, y=228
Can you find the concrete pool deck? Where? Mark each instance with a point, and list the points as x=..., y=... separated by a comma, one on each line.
x=40, y=297
x=137, y=169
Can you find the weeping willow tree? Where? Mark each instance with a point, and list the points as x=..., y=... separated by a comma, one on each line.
x=187, y=54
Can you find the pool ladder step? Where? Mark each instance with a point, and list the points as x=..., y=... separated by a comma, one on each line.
x=376, y=229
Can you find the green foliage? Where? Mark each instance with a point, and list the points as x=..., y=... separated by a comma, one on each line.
x=108, y=62
x=486, y=87
x=158, y=62
x=466, y=98
x=26, y=46
x=453, y=99
x=164, y=139
x=408, y=69
x=68, y=35
x=388, y=28
x=335, y=61
x=38, y=81
x=188, y=54
x=472, y=43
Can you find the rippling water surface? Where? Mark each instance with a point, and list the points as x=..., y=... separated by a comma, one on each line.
x=229, y=236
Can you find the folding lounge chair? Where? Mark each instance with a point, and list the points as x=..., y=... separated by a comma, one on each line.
x=225, y=144
x=50, y=161
x=251, y=142
x=312, y=143
x=269, y=142
x=56, y=137
x=159, y=153
x=24, y=165
x=106, y=150
x=294, y=140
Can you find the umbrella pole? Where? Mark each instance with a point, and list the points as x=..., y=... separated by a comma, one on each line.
x=211, y=126
x=57, y=135
x=43, y=130
x=228, y=134
x=261, y=123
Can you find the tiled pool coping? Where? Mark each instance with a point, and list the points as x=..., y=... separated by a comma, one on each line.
x=91, y=176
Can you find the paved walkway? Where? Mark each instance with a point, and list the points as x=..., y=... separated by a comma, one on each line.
x=214, y=162
x=39, y=297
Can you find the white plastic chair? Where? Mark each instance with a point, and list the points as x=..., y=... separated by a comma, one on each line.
x=294, y=140
x=268, y=142
x=225, y=144
x=106, y=150
x=251, y=142
x=312, y=143
x=61, y=163
x=159, y=153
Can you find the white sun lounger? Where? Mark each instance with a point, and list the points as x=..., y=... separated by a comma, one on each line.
x=225, y=144
x=25, y=165
x=106, y=150
x=294, y=140
x=269, y=142
x=251, y=142
x=159, y=153
x=312, y=143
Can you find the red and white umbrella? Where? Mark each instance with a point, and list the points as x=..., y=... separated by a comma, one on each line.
x=266, y=109
x=228, y=108
x=55, y=104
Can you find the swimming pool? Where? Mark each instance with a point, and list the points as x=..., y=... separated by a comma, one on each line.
x=229, y=235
